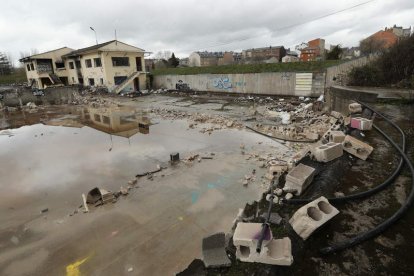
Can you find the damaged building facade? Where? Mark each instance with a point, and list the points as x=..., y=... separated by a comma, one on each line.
x=113, y=64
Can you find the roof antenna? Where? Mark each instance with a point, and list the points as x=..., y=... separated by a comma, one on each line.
x=116, y=40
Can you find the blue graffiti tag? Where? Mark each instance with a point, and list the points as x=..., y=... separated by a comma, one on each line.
x=222, y=83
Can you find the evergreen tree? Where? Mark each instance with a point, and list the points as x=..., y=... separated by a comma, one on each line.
x=173, y=61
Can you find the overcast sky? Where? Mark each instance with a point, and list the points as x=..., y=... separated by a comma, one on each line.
x=184, y=26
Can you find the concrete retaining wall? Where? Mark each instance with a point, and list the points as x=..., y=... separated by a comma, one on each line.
x=258, y=83
x=17, y=96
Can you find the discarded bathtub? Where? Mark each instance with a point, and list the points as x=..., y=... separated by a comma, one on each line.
x=311, y=216
x=274, y=251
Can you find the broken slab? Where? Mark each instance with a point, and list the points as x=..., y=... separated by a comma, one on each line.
x=311, y=216
x=299, y=178
x=328, y=152
x=99, y=196
x=361, y=123
x=336, y=114
x=355, y=108
x=214, y=251
x=274, y=251
x=336, y=136
x=356, y=147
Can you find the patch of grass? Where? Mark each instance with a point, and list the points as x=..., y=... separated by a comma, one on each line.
x=18, y=76
x=315, y=66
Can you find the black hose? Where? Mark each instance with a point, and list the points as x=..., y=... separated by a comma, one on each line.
x=287, y=140
x=387, y=223
x=372, y=191
x=265, y=225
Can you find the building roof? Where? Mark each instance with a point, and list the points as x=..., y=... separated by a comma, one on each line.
x=97, y=47
x=389, y=38
x=265, y=48
x=40, y=54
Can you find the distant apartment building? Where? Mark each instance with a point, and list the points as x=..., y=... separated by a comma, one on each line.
x=385, y=39
x=210, y=58
x=184, y=62
x=314, y=51
x=113, y=64
x=350, y=52
x=275, y=53
x=291, y=56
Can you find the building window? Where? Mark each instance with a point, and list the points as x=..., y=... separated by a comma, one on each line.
x=97, y=118
x=91, y=82
x=71, y=65
x=120, y=61
x=28, y=67
x=88, y=63
x=106, y=120
x=78, y=64
x=73, y=79
x=31, y=66
x=97, y=62
x=101, y=81
x=60, y=65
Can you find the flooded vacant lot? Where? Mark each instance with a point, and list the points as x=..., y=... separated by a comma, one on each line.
x=50, y=156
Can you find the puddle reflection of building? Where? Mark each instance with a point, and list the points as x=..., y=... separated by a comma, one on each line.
x=115, y=121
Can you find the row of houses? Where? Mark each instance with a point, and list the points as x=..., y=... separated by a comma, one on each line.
x=113, y=64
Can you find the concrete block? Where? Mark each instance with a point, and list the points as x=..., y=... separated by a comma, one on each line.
x=355, y=108
x=274, y=251
x=214, y=251
x=356, y=147
x=299, y=178
x=328, y=152
x=311, y=216
x=336, y=136
x=336, y=114
x=361, y=123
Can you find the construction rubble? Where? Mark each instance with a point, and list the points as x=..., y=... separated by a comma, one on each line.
x=331, y=138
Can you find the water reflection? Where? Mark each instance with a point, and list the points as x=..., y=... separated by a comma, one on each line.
x=122, y=122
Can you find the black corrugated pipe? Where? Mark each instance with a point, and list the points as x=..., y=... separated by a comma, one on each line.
x=372, y=191
x=265, y=225
x=387, y=223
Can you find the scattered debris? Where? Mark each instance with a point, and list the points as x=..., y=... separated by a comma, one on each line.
x=299, y=178
x=214, y=251
x=328, y=152
x=311, y=216
x=85, y=205
x=98, y=196
x=274, y=251
x=356, y=147
x=44, y=210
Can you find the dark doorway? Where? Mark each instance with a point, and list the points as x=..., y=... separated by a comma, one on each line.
x=139, y=63
x=136, y=84
x=64, y=80
x=45, y=81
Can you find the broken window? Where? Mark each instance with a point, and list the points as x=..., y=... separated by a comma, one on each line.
x=97, y=118
x=120, y=61
x=101, y=81
x=71, y=65
x=28, y=67
x=91, y=82
x=60, y=65
x=119, y=80
x=106, y=120
x=97, y=62
x=88, y=63
x=31, y=66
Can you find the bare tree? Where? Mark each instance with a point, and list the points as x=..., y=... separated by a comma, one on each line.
x=371, y=46
x=162, y=55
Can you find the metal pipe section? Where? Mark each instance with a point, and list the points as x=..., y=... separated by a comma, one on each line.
x=265, y=225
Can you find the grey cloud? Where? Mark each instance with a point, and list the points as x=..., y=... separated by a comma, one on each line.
x=188, y=25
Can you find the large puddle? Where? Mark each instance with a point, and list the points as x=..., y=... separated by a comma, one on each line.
x=51, y=156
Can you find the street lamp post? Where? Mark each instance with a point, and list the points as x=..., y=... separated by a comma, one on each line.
x=96, y=37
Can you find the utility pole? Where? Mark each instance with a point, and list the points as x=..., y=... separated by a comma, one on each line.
x=96, y=37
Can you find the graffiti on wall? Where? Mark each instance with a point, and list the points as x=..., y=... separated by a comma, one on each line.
x=286, y=76
x=222, y=83
x=182, y=86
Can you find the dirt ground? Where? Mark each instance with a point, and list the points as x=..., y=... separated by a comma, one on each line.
x=51, y=155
